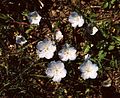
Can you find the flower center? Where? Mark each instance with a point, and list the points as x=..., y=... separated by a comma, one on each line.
x=76, y=18
x=66, y=52
x=56, y=71
x=88, y=69
x=46, y=48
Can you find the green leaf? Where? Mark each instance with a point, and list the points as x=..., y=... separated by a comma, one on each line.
x=112, y=1
x=117, y=38
x=4, y=17
x=101, y=55
x=93, y=15
x=105, y=5
x=25, y=13
x=113, y=62
x=29, y=29
x=86, y=49
x=110, y=6
x=111, y=47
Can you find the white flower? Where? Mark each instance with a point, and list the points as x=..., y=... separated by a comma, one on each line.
x=34, y=18
x=87, y=57
x=94, y=31
x=76, y=20
x=20, y=40
x=56, y=70
x=67, y=53
x=58, y=35
x=46, y=48
x=88, y=70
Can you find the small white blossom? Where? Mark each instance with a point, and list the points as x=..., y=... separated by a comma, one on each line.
x=46, y=48
x=88, y=70
x=34, y=18
x=20, y=40
x=56, y=70
x=58, y=35
x=94, y=31
x=67, y=53
x=76, y=20
x=87, y=57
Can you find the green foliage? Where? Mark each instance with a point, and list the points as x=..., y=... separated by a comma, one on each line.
x=105, y=4
x=113, y=62
x=4, y=17
x=86, y=49
x=116, y=38
x=111, y=46
x=101, y=55
x=25, y=12
x=108, y=3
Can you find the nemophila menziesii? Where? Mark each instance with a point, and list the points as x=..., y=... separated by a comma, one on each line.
x=46, y=48
x=20, y=40
x=67, y=53
x=94, y=30
x=76, y=20
x=34, y=18
x=58, y=35
x=56, y=71
x=88, y=70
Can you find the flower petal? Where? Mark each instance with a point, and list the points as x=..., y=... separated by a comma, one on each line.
x=56, y=79
x=93, y=75
x=72, y=57
x=56, y=70
x=49, y=55
x=85, y=75
x=63, y=73
x=40, y=54
x=49, y=72
x=81, y=22
x=74, y=25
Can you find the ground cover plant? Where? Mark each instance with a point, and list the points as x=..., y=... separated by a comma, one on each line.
x=60, y=49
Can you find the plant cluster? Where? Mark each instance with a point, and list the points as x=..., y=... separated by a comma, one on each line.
x=74, y=56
